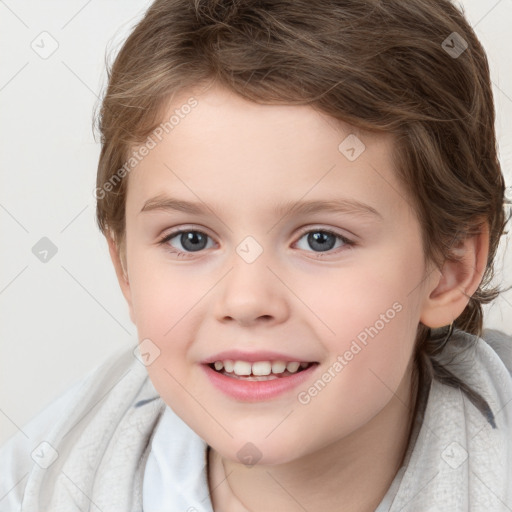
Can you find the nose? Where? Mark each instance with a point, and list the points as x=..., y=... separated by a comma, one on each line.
x=252, y=293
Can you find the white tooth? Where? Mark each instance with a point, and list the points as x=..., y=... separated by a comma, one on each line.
x=219, y=365
x=261, y=368
x=242, y=368
x=228, y=365
x=292, y=367
x=303, y=365
x=278, y=367
x=255, y=378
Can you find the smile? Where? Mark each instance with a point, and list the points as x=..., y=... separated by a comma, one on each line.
x=250, y=386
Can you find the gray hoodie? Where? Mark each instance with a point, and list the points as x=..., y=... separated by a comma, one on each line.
x=93, y=448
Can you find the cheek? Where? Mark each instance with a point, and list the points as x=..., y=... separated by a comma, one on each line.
x=368, y=353
x=376, y=291
x=163, y=301
x=161, y=295
x=369, y=316
x=167, y=299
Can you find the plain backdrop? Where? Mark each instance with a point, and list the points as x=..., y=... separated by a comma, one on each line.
x=61, y=317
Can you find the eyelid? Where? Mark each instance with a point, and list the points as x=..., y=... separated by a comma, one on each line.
x=177, y=231
x=333, y=231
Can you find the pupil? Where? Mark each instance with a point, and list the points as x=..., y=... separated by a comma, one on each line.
x=192, y=237
x=319, y=239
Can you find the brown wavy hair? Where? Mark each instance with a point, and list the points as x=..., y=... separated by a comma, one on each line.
x=379, y=65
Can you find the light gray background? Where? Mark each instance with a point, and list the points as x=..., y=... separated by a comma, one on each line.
x=61, y=318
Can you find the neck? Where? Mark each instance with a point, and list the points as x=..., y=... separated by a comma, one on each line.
x=351, y=475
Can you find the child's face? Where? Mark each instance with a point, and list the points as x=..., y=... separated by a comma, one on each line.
x=315, y=298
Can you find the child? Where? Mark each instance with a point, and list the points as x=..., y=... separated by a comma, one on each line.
x=272, y=373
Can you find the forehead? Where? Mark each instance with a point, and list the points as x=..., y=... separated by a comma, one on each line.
x=216, y=109
x=216, y=144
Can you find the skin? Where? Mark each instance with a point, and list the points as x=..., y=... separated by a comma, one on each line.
x=241, y=159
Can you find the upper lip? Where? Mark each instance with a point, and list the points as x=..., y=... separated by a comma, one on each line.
x=252, y=357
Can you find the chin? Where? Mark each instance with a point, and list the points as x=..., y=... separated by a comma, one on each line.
x=252, y=454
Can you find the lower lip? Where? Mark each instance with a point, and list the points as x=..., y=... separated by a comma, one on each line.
x=256, y=391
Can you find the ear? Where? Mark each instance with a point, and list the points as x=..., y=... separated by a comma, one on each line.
x=118, y=256
x=450, y=292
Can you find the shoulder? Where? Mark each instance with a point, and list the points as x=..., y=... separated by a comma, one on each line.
x=19, y=454
x=501, y=343
x=491, y=351
x=16, y=454
x=481, y=367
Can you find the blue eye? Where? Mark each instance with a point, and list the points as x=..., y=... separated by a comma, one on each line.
x=191, y=240
x=323, y=240
x=195, y=241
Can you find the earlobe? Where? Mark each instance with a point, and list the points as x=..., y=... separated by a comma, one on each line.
x=121, y=272
x=460, y=278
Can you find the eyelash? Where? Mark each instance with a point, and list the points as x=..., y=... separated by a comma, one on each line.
x=170, y=236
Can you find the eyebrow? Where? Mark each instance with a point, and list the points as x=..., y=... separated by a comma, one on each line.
x=285, y=209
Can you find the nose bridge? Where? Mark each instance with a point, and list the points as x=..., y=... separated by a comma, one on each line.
x=249, y=264
x=250, y=250
x=250, y=289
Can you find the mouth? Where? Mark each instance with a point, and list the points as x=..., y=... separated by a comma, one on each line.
x=280, y=381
